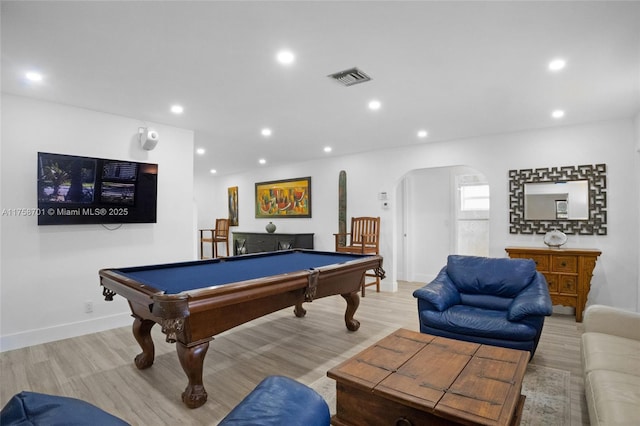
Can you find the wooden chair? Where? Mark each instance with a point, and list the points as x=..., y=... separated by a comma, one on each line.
x=220, y=234
x=364, y=238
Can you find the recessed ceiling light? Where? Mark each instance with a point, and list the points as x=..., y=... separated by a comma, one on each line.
x=262, y=161
x=375, y=105
x=177, y=109
x=266, y=132
x=327, y=149
x=557, y=113
x=33, y=76
x=213, y=171
x=200, y=151
x=557, y=64
x=422, y=134
x=286, y=57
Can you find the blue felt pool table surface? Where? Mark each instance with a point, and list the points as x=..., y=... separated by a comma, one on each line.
x=178, y=277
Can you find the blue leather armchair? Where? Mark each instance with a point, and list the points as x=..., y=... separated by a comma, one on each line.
x=499, y=302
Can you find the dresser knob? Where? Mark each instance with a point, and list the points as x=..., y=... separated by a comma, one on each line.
x=403, y=421
x=563, y=264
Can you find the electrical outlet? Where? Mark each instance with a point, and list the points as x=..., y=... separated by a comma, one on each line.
x=88, y=307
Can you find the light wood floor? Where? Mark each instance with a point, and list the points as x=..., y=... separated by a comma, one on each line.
x=98, y=368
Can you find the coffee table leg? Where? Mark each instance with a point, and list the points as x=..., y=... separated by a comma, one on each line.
x=517, y=416
x=192, y=361
x=353, y=301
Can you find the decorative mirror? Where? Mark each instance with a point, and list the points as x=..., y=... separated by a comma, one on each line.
x=571, y=199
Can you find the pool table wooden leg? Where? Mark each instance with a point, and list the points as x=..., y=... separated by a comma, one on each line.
x=353, y=301
x=142, y=333
x=192, y=361
x=299, y=311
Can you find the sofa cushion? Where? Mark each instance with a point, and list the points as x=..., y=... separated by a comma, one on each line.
x=612, y=397
x=496, y=276
x=277, y=401
x=607, y=352
x=32, y=409
x=472, y=321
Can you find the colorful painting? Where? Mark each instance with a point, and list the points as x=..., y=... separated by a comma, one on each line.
x=284, y=198
x=232, y=195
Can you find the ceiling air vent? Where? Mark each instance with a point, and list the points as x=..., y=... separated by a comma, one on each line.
x=350, y=77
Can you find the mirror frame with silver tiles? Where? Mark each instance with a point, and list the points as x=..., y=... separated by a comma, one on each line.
x=596, y=224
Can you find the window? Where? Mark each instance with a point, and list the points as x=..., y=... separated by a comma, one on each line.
x=472, y=215
x=474, y=198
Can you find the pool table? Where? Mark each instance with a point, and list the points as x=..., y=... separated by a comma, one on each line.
x=194, y=301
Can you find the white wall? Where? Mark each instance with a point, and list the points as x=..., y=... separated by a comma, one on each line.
x=48, y=272
x=637, y=123
x=615, y=281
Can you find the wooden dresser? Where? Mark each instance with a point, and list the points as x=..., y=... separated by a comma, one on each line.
x=568, y=272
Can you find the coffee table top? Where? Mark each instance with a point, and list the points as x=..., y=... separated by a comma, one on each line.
x=450, y=378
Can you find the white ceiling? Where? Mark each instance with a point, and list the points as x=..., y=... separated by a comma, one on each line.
x=456, y=69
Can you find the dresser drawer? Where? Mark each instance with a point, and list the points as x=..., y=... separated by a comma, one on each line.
x=564, y=264
x=552, y=282
x=542, y=261
x=568, y=284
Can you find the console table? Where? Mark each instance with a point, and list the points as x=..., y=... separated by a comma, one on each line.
x=256, y=242
x=568, y=272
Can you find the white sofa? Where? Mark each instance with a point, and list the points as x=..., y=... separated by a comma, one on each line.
x=611, y=365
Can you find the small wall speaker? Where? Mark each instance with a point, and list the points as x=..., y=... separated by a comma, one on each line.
x=148, y=138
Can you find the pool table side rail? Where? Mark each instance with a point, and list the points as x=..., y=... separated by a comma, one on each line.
x=232, y=308
x=239, y=257
x=126, y=287
x=219, y=308
x=207, y=297
x=363, y=264
x=132, y=289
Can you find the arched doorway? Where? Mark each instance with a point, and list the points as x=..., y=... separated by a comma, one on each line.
x=442, y=211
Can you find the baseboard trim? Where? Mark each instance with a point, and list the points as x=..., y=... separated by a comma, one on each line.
x=64, y=331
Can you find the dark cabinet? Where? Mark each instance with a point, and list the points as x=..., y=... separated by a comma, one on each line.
x=255, y=242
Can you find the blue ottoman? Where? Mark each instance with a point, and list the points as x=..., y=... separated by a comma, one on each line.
x=278, y=401
x=32, y=409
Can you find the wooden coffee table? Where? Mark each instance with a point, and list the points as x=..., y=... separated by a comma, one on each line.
x=410, y=378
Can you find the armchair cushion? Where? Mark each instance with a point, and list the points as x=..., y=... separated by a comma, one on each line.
x=469, y=320
x=483, y=275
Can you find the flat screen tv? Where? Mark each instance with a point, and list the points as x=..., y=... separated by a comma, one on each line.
x=75, y=190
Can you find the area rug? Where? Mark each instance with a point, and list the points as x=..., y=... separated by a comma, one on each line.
x=547, y=390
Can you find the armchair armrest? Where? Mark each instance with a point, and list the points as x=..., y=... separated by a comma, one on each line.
x=440, y=293
x=534, y=300
x=203, y=236
x=610, y=320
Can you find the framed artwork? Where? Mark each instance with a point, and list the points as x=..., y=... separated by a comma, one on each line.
x=232, y=195
x=284, y=198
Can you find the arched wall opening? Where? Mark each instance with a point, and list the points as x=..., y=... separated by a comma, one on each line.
x=440, y=211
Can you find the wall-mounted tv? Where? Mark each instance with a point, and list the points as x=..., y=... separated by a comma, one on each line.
x=76, y=190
